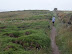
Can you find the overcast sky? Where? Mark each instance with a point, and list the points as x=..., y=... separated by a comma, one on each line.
x=35, y=4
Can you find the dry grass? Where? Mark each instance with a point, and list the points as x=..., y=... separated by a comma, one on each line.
x=64, y=36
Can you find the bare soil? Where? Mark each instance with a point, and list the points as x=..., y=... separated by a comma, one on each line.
x=53, y=42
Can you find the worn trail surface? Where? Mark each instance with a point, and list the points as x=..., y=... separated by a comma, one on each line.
x=53, y=43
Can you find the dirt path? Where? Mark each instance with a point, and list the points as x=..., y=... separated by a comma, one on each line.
x=53, y=43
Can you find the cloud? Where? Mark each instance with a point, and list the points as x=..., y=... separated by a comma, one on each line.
x=35, y=4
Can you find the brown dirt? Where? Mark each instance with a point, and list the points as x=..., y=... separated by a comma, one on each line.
x=31, y=45
x=2, y=27
x=53, y=43
x=8, y=47
x=27, y=33
x=11, y=35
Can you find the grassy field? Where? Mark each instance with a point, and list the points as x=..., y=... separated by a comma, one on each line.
x=25, y=32
x=28, y=32
x=64, y=30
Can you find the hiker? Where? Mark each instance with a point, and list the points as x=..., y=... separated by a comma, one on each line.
x=53, y=20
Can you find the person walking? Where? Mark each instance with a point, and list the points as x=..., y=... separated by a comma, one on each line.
x=53, y=20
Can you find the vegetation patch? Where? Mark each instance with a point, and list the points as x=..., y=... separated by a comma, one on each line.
x=64, y=36
x=35, y=40
x=13, y=34
x=25, y=32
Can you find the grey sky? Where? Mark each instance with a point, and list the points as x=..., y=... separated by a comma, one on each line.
x=35, y=4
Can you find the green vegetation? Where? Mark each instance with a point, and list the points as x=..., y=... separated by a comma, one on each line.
x=64, y=36
x=28, y=32
x=25, y=32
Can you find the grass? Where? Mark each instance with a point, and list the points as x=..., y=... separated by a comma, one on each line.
x=64, y=41
x=25, y=32
x=64, y=36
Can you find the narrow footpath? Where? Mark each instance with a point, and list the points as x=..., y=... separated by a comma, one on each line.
x=53, y=43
